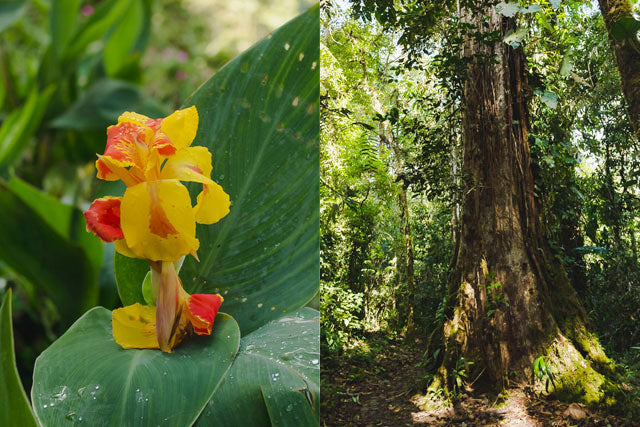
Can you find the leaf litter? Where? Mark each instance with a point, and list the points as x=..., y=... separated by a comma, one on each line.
x=380, y=381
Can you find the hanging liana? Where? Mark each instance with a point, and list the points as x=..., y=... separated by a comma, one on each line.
x=155, y=220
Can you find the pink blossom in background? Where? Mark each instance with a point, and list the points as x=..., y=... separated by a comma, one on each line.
x=87, y=10
x=182, y=56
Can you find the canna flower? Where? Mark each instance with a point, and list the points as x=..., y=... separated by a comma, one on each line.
x=151, y=157
x=135, y=326
x=155, y=220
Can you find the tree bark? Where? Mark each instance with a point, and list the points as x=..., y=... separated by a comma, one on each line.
x=627, y=56
x=510, y=299
x=408, y=247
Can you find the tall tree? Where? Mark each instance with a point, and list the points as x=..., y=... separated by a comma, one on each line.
x=510, y=299
x=627, y=49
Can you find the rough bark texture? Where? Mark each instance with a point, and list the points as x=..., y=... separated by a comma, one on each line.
x=627, y=56
x=510, y=299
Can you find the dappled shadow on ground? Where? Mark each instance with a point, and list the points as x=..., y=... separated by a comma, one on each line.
x=372, y=383
x=379, y=382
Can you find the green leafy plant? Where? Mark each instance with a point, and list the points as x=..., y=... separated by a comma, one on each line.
x=496, y=299
x=625, y=28
x=542, y=372
x=14, y=408
x=339, y=321
x=460, y=375
x=259, y=118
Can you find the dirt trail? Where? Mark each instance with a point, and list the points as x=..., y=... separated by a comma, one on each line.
x=383, y=387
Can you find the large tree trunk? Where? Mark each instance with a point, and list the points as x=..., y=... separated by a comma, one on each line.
x=627, y=56
x=510, y=300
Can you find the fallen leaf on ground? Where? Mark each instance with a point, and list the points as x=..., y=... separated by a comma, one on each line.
x=574, y=411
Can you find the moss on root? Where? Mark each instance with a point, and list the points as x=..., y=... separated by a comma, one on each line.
x=581, y=379
x=581, y=385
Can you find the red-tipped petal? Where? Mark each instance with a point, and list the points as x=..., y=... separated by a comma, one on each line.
x=103, y=219
x=202, y=310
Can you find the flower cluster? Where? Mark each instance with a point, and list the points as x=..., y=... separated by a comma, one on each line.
x=156, y=221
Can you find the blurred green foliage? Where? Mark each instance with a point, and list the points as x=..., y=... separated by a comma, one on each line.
x=68, y=68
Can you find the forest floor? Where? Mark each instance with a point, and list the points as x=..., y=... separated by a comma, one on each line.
x=379, y=381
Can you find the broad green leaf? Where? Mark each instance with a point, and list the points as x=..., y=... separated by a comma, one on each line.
x=107, y=280
x=275, y=366
x=63, y=16
x=86, y=377
x=20, y=125
x=625, y=28
x=66, y=220
x=555, y=3
x=130, y=274
x=550, y=99
x=147, y=290
x=53, y=263
x=124, y=37
x=514, y=38
x=10, y=12
x=531, y=9
x=259, y=118
x=508, y=9
x=103, y=102
x=567, y=63
x=287, y=407
x=542, y=20
x=14, y=406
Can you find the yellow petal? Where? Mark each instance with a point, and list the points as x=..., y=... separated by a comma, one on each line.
x=138, y=119
x=158, y=221
x=189, y=164
x=134, y=326
x=213, y=204
x=111, y=169
x=121, y=247
x=181, y=127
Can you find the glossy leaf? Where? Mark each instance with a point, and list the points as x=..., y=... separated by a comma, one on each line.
x=108, y=386
x=130, y=274
x=275, y=377
x=297, y=411
x=56, y=265
x=625, y=28
x=14, y=406
x=259, y=118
